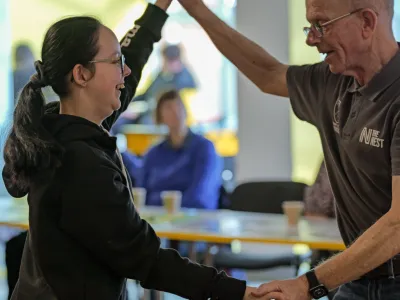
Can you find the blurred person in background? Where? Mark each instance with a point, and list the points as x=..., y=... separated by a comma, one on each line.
x=173, y=75
x=24, y=67
x=318, y=198
x=132, y=162
x=184, y=161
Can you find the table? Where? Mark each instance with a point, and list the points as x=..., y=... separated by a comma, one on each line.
x=222, y=226
x=225, y=226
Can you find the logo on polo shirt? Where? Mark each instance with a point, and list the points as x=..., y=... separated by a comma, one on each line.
x=371, y=137
x=336, y=111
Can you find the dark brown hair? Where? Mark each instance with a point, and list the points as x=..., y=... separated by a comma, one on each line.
x=165, y=97
x=29, y=148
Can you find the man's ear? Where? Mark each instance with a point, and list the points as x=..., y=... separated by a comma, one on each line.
x=369, y=22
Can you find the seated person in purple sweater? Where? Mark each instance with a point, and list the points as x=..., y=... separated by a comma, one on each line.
x=132, y=163
x=184, y=161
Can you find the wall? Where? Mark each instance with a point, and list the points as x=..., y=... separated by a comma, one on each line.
x=273, y=142
x=306, y=146
x=264, y=120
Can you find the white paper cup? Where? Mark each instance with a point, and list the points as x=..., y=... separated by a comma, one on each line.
x=172, y=201
x=139, y=197
x=293, y=211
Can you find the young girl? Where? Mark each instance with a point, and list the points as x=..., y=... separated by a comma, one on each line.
x=85, y=236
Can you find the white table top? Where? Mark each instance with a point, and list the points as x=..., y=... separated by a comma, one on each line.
x=222, y=226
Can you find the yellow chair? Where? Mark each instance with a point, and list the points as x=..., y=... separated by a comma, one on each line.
x=188, y=96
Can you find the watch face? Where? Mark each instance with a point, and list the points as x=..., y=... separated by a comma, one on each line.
x=319, y=292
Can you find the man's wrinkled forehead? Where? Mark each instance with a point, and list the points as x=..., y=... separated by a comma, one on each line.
x=326, y=9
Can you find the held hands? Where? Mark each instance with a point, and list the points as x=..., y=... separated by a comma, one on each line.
x=248, y=295
x=293, y=289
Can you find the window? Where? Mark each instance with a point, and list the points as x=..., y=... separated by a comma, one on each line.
x=396, y=20
x=213, y=105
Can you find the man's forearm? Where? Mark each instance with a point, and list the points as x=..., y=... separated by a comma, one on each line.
x=376, y=246
x=252, y=60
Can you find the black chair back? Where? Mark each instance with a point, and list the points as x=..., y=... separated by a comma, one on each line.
x=266, y=197
x=224, y=201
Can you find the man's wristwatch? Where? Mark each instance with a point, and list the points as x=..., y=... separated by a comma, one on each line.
x=316, y=289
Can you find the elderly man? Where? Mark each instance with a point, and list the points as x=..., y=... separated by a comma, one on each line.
x=353, y=98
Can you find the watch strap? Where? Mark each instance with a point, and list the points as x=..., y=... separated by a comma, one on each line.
x=312, y=279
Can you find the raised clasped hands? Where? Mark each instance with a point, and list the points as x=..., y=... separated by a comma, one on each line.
x=163, y=4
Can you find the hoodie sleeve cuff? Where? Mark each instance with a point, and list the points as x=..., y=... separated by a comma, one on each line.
x=153, y=19
x=230, y=288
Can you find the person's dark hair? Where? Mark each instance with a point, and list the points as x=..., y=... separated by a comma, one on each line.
x=29, y=148
x=172, y=52
x=171, y=95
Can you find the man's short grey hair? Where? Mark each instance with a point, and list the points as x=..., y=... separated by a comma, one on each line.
x=376, y=5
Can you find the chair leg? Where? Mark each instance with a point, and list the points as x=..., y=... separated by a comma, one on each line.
x=158, y=295
x=298, y=264
x=141, y=293
x=210, y=252
x=192, y=251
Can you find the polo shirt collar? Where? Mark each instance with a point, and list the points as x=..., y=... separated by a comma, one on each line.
x=380, y=82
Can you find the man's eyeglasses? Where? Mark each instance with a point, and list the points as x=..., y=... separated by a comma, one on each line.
x=120, y=60
x=318, y=29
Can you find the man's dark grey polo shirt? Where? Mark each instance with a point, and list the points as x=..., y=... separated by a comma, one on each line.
x=360, y=133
